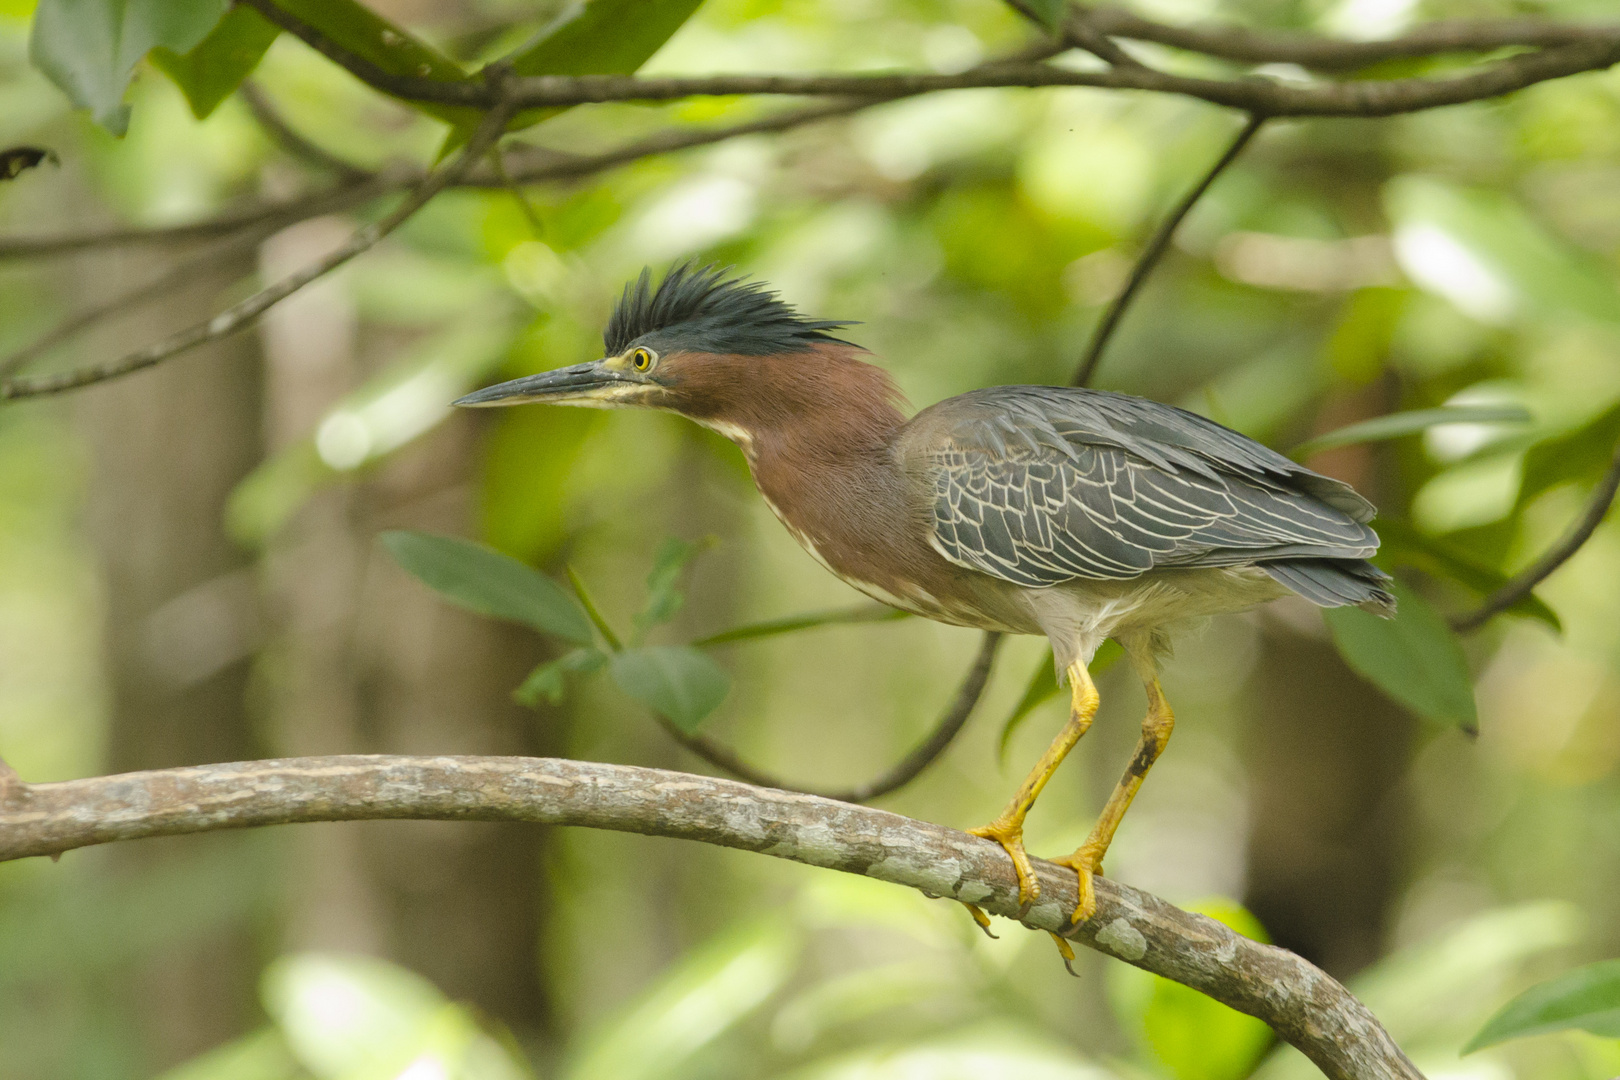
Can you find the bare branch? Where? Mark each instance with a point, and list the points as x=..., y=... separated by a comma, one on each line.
x=1251, y=94
x=904, y=772
x=1568, y=49
x=271, y=216
x=1328, y=54
x=242, y=314
x=1156, y=247
x=292, y=141
x=158, y=287
x=1303, y=1004
x=1519, y=586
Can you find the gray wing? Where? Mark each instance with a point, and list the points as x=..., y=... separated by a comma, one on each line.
x=1038, y=486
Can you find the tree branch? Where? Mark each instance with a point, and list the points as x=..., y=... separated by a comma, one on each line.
x=1519, y=586
x=271, y=216
x=1570, y=48
x=160, y=286
x=1156, y=247
x=1302, y=1003
x=1331, y=55
x=294, y=142
x=904, y=772
x=239, y=315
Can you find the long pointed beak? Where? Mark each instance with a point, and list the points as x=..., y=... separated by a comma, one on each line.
x=581, y=384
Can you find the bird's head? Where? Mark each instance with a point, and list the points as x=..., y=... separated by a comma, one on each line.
x=710, y=347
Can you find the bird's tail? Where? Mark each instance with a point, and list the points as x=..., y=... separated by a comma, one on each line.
x=1336, y=583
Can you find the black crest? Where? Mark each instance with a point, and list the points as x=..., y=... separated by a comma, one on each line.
x=700, y=309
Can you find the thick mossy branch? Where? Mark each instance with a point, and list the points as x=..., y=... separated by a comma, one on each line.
x=1304, y=1005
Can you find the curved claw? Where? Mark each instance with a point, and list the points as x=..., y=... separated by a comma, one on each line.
x=1067, y=952
x=1084, y=864
x=1011, y=838
x=981, y=918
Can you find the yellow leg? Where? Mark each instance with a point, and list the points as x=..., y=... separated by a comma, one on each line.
x=1087, y=858
x=1008, y=828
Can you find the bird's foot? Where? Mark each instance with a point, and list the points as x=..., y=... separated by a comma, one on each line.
x=980, y=917
x=1067, y=952
x=1085, y=862
x=1010, y=835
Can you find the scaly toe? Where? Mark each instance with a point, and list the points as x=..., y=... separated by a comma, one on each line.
x=1012, y=841
x=1084, y=867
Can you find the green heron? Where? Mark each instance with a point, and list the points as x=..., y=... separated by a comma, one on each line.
x=1075, y=514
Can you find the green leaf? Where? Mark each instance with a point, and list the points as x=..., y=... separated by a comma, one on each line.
x=212, y=71
x=664, y=597
x=1395, y=425
x=485, y=581
x=1402, y=545
x=861, y=613
x=1043, y=686
x=1581, y=456
x=90, y=48
x=357, y=29
x=549, y=680
x=1196, y=1037
x=1046, y=12
x=602, y=37
x=676, y=681
x=1587, y=998
x=1414, y=658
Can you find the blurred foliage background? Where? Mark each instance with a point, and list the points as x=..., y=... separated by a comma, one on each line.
x=189, y=569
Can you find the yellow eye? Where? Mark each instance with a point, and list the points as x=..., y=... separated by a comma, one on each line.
x=641, y=359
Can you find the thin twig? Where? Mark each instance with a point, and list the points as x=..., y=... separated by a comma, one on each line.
x=1156, y=247
x=162, y=285
x=903, y=772
x=554, y=167
x=1520, y=585
x=1587, y=48
x=345, y=196
x=1303, y=1004
x=1325, y=54
x=242, y=314
x=294, y=142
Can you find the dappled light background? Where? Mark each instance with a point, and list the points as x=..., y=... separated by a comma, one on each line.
x=189, y=570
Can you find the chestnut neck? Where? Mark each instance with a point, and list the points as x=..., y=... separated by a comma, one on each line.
x=822, y=405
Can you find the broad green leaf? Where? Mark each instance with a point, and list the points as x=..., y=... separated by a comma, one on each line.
x=1581, y=455
x=1047, y=12
x=664, y=597
x=549, y=680
x=604, y=37
x=1587, y=998
x=1414, y=658
x=359, y=30
x=1395, y=425
x=861, y=613
x=1196, y=1037
x=90, y=48
x=485, y=581
x=600, y=37
x=212, y=71
x=1043, y=686
x=676, y=681
x=1403, y=545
